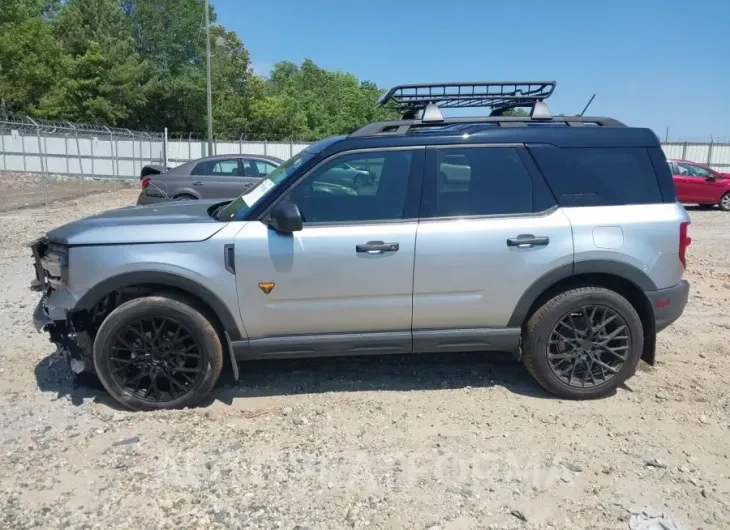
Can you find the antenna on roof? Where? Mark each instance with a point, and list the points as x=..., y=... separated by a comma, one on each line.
x=587, y=105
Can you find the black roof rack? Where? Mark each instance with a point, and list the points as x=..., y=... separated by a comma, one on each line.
x=421, y=106
x=497, y=95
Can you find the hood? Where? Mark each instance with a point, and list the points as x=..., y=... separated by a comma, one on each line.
x=167, y=222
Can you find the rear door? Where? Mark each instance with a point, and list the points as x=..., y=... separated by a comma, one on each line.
x=219, y=178
x=489, y=228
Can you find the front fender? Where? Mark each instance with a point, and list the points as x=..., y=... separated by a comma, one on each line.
x=169, y=279
x=197, y=268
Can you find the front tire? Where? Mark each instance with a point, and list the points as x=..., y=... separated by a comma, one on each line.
x=583, y=343
x=156, y=352
x=725, y=202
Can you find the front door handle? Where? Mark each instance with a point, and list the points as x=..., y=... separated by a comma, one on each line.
x=198, y=183
x=377, y=247
x=527, y=241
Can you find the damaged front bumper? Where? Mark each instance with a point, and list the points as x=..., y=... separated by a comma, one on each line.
x=53, y=313
x=62, y=334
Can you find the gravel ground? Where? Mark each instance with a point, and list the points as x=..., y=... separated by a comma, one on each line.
x=441, y=441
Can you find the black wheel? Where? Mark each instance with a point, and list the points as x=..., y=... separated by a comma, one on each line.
x=725, y=202
x=157, y=352
x=184, y=197
x=583, y=343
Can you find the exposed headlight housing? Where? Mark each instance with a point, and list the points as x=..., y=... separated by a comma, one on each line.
x=55, y=264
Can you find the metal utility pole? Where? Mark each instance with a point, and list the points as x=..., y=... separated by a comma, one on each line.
x=207, y=77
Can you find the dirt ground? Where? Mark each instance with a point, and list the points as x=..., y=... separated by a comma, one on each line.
x=26, y=190
x=439, y=441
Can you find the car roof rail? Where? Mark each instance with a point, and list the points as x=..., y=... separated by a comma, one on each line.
x=421, y=104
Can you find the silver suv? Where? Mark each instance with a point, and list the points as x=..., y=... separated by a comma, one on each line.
x=559, y=239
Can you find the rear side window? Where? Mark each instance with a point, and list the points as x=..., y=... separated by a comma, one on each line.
x=227, y=167
x=478, y=181
x=599, y=176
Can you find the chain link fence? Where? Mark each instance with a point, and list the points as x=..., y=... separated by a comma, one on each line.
x=43, y=161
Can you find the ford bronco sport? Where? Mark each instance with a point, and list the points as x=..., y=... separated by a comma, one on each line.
x=559, y=239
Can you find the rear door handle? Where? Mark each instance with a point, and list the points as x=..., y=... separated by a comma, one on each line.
x=198, y=183
x=377, y=247
x=528, y=240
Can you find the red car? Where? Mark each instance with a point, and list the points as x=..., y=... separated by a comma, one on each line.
x=700, y=184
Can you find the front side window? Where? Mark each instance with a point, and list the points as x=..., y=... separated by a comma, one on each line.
x=257, y=168
x=359, y=187
x=478, y=181
x=691, y=170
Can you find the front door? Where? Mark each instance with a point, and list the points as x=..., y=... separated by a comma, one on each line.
x=349, y=271
x=692, y=184
x=487, y=232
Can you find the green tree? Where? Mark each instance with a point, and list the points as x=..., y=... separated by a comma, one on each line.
x=103, y=85
x=30, y=57
x=322, y=102
x=81, y=22
x=103, y=78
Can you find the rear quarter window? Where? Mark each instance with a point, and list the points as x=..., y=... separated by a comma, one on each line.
x=599, y=176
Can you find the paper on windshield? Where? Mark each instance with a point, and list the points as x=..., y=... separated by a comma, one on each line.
x=255, y=194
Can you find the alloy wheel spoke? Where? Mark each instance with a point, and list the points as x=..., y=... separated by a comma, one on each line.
x=613, y=335
x=610, y=369
x=605, y=322
x=612, y=351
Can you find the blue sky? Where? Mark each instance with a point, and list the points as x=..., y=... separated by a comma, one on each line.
x=654, y=63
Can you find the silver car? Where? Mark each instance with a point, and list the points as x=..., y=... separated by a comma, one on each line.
x=213, y=177
x=559, y=239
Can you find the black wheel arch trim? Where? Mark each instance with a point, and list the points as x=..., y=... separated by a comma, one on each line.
x=130, y=279
x=563, y=272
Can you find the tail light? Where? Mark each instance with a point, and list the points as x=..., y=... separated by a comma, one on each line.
x=684, y=242
x=144, y=182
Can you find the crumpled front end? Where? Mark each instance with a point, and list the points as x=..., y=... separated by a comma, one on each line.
x=53, y=314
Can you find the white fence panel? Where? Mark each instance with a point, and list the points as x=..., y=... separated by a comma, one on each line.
x=122, y=153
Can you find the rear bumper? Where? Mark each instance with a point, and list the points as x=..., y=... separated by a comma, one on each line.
x=668, y=304
x=145, y=199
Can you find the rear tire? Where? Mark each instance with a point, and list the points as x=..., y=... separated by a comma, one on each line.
x=156, y=352
x=184, y=197
x=578, y=364
x=725, y=202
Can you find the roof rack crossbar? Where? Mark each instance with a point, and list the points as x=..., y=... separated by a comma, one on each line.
x=497, y=95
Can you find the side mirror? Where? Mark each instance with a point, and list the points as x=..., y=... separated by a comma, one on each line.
x=285, y=218
x=711, y=178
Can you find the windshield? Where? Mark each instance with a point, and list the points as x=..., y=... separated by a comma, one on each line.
x=238, y=208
